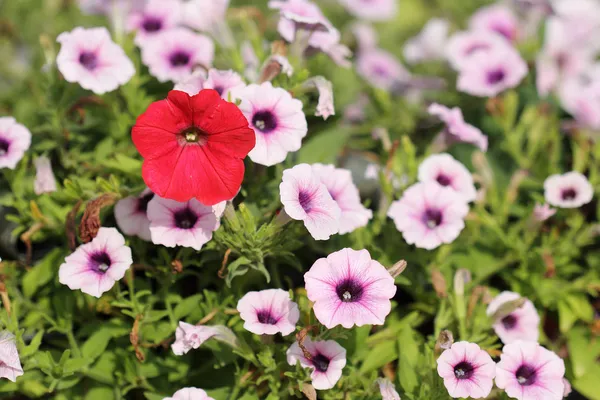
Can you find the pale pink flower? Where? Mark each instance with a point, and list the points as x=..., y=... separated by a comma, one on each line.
x=189, y=393
x=173, y=54
x=10, y=363
x=338, y=182
x=268, y=312
x=94, y=267
x=568, y=388
x=15, y=140
x=580, y=96
x=569, y=190
x=496, y=18
x=372, y=10
x=325, y=107
x=131, y=214
x=306, y=198
x=429, y=214
x=445, y=170
x=157, y=16
x=349, y=288
x=327, y=360
x=387, y=389
x=193, y=84
x=277, y=120
x=204, y=15
x=582, y=18
x=188, y=224
x=430, y=44
x=226, y=83
x=251, y=61
x=45, y=182
x=489, y=74
x=542, y=212
x=90, y=58
x=462, y=46
x=467, y=370
x=107, y=7
x=521, y=324
x=188, y=336
x=380, y=68
x=365, y=35
x=456, y=128
x=527, y=371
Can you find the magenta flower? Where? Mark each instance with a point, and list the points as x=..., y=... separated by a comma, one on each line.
x=542, y=212
x=188, y=224
x=528, y=371
x=467, y=370
x=15, y=140
x=349, y=288
x=277, y=120
x=189, y=393
x=94, y=267
x=387, y=390
x=430, y=44
x=371, y=10
x=569, y=190
x=380, y=68
x=188, y=336
x=131, y=214
x=306, y=199
x=462, y=46
x=156, y=16
x=327, y=360
x=268, y=312
x=429, y=214
x=10, y=363
x=496, y=18
x=45, y=182
x=90, y=58
x=339, y=184
x=490, y=73
x=457, y=130
x=521, y=324
x=173, y=54
x=445, y=170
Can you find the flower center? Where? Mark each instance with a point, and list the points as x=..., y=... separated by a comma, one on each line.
x=463, y=370
x=432, y=218
x=185, y=219
x=320, y=362
x=265, y=317
x=219, y=89
x=194, y=135
x=179, y=59
x=496, y=76
x=142, y=205
x=264, y=121
x=443, y=180
x=349, y=291
x=526, y=375
x=152, y=24
x=509, y=322
x=380, y=71
x=305, y=200
x=100, y=262
x=568, y=194
x=88, y=60
x=4, y=145
x=503, y=30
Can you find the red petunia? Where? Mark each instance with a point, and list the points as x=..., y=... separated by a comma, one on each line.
x=193, y=146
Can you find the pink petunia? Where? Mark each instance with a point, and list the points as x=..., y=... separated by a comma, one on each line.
x=457, y=130
x=94, y=267
x=445, y=170
x=527, y=371
x=569, y=190
x=225, y=82
x=542, y=212
x=10, y=363
x=204, y=15
x=462, y=46
x=306, y=198
x=338, y=182
x=380, y=68
x=131, y=214
x=90, y=58
x=107, y=7
x=520, y=324
x=371, y=10
x=430, y=44
x=327, y=359
x=429, y=214
x=45, y=182
x=172, y=55
x=15, y=140
x=349, y=288
x=387, y=389
x=157, y=16
x=325, y=107
x=193, y=84
x=189, y=393
x=188, y=336
x=365, y=36
x=268, y=312
x=277, y=120
x=580, y=95
x=467, y=370
x=496, y=18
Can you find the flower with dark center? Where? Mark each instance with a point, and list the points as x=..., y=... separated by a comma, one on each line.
x=305, y=200
x=443, y=180
x=185, y=218
x=447, y=171
x=525, y=375
x=349, y=291
x=464, y=370
x=152, y=24
x=320, y=362
x=131, y=215
x=264, y=121
x=569, y=194
x=514, y=321
x=569, y=190
x=179, y=59
x=265, y=317
x=4, y=146
x=100, y=262
x=509, y=322
x=432, y=218
x=325, y=358
x=89, y=60
x=495, y=76
x=268, y=312
x=142, y=205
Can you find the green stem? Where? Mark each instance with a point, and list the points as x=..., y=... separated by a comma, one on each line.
x=132, y=290
x=72, y=342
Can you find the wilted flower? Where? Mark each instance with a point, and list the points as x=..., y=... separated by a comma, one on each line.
x=429, y=214
x=387, y=390
x=325, y=107
x=496, y=18
x=528, y=371
x=277, y=120
x=44, y=177
x=90, y=58
x=94, y=267
x=467, y=370
x=456, y=128
x=193, y=147
x=268, y=312
x=373, y=10
x=189, y=393
x=15, y=140
x=173, y=54
x=429, y=44
x=522, y=323
x=131, y=214
x=349, y=288
x=542, y=212
x=188, y=336
x=380, y=68
x=10, y=363
x=156, y=16
x=462, y=46
x=327, y=359
x=445, y=170
x=569, y=190
x=276, y=64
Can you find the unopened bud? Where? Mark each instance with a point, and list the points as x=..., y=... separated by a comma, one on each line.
x=508, y=308
x=397, y=268
x=309, y=391
x=439, y=283
x=445, y=339
x=461, y=278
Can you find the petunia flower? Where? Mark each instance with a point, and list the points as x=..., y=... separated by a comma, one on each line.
x=44, y=182
x=306, y=199
x=528, y=371
x=429, y=44
x=225, y=82
x=445, y=170
x=467, y=370
x=520, y=324
x=193, y=84
x=496, y=18
x=349, y=288
x=429, y=214
x=10, y=363
x=371, y=10
x=131, y=214
x=387, y=389
x=94, y=267
x=106, y=7
x=193, y=147
x=338, y=182
x=325, y=107
x=156, y=16
x=490, y=73
x=277, y=120
x=90, y=58
x=380, y=68
x=542, y=212
x=365, y=36
x=187, y=224
x=569, y=190
x=457, y=130
x=188, y=336
x=189, y=393
x=251, y=61
x=173, y=54
x=462, y=46
x=268, y=312
x=327, y=359
x=204, y=15
x=580, y=95
x=15, y=140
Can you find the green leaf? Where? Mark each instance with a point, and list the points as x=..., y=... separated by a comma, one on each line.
x=237, y=268
x=33, y=346
x=408, y=350
x=96, y=344
x=42, y=273
x=324, y=147
x=566, y=316
x=100, y=393
x=153, y=396
x=379, y=355
x=75, y=365
x=581, y=307
x=187, y=306
x=587, y=385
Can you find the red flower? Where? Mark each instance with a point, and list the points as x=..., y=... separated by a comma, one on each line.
x=193, y=147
